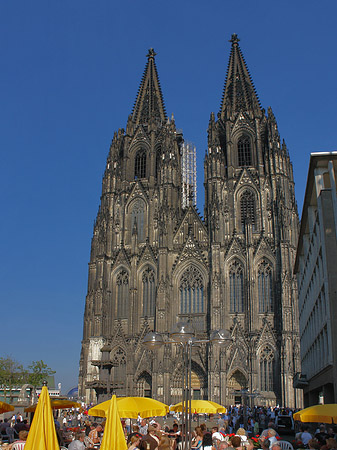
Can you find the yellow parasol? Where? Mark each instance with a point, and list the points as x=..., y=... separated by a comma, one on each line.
x=131, y=406
x=56, y=403
x=5, y=407
x=201, y=407
x=42, y=433
x=113, y=437
x=318, y=413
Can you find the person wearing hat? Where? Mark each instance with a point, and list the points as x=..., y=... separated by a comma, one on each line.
x=150, y=441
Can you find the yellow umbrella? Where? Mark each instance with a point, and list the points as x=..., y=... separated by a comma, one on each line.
x=113, y=437
x=131, y=406
x=318, y=413
x=56, y=403
x=5, y=407
x=42, y=434
x=201, y=407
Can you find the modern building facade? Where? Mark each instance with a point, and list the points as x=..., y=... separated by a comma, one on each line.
x=317, y=281
x=155, y=261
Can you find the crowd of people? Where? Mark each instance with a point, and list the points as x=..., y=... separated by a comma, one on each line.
x=239, y=429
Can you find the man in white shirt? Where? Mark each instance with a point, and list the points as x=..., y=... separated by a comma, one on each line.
x=78, y=443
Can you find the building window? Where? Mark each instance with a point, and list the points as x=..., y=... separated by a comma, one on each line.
x=265, y=286
x=247, y=208
x=140, y=164
x=122, y=283
x=236, y=288
x=149, y=292
x=137, y=215
x=119, y=367
x=158, y=158
x=244, y=152
x=191, y=291
x=266, y=369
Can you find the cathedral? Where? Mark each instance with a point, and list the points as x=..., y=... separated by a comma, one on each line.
x=156, y=261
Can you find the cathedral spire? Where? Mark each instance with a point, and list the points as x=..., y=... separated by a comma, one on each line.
x=239, y=91
x=149, y=104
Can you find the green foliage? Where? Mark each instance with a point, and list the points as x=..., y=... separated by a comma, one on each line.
x=12, y=373
x=38, y=371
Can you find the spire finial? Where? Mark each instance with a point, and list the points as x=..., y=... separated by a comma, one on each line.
x=151, y=53
x=234, y=39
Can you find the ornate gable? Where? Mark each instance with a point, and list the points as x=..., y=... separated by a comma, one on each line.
x=139, y=137
x=245, y=179
x=243, y=122
x=121, y=259
x=147, y=255
x=235, y=248
x=118, y=337
x=263, y=249
x=191, y=221
x=266, y=335
x=138, y=191
x=191, y=250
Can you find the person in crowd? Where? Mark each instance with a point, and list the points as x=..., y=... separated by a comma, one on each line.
x=150, y=438
x=197, y=440
x=276, y=447
x=305, y=436
x=313, y=444
x=321, y=435
x=94, y=434
x=223, y=445
x=242, y=433
x=87, y=427
x=20, y=444
x=175, y=433
x=133, y=444
x=78, y=442
x=331, y=444
x=207, y=443
x=272, y=437
x=164, y=443
x=143, y=427
x=236, y=442
x=19, y=426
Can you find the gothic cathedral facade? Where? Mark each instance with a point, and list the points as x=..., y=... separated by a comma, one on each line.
x=155, y=261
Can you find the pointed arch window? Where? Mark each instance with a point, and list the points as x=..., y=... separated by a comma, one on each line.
x=247, y=208
x=265, y=287
x=158, y=157
x=191, y=291
x=149, y=292
x=267, y=364
x=122, y=283
x=236, y=288
x=140, y=164
x=119, y=364
x=244, y=152
x=137, y=219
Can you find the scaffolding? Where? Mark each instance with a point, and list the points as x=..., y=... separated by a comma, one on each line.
x=189, y=174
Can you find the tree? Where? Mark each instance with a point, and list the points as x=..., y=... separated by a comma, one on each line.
x=38, y=371
x=11, y=374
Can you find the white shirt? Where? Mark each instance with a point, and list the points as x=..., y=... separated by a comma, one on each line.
x=76, y=445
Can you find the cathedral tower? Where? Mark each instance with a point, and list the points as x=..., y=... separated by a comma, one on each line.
x=154, y=261
x=252, y=221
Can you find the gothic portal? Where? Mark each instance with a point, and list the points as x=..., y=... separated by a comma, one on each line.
x=155, y=260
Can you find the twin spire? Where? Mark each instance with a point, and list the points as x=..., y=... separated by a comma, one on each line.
x=149, y=105
x=239, y=92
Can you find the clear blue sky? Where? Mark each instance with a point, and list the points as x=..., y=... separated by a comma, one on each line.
x=70, y=71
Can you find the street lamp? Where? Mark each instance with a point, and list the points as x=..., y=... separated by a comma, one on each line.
x=183, y=334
